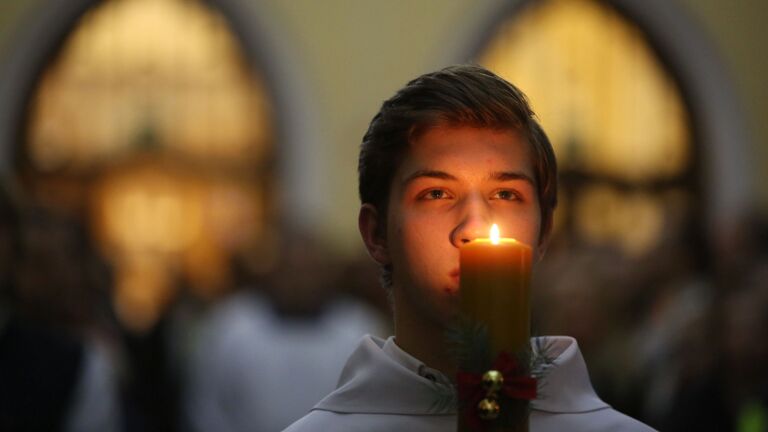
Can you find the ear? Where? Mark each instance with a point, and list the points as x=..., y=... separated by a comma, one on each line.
x=370, y=223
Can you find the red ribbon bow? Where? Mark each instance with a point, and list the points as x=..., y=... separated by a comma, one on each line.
x=517, y=385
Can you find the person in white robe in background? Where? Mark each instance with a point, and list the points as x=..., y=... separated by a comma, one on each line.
x=255, y=370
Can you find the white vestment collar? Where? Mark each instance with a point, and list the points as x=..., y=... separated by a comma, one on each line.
x=381, y=378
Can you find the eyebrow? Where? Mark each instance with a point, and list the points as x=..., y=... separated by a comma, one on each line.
x=442, y=175
x=498, y=176
x=512, y=175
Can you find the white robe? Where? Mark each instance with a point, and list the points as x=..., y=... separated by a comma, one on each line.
x=253, y=370
x=382, y=388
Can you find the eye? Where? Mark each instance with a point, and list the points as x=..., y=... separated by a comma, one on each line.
x=435, y=194
x=506, y=195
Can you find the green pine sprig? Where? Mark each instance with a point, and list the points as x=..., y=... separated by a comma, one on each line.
x=469, y=343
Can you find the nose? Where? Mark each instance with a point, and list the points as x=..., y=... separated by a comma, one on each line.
x=474, y=221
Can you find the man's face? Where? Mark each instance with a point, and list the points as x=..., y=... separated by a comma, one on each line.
x=453, y=184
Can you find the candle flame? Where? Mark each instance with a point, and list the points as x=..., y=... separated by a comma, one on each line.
x=495, y=234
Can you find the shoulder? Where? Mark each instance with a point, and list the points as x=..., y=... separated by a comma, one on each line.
x=603, y=420
x=615, y=420
x=321, y=420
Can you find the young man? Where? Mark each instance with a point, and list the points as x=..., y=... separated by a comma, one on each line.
x=451, y=153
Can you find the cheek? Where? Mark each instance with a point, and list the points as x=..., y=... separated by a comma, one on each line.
x=410, y=236
x=416, y=238
x=524, y=226
x=534, y=229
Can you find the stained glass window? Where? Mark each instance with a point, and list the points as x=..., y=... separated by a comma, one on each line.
x=151, y=121
x=614, y=113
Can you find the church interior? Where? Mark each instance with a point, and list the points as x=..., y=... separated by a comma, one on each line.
x=179, y=173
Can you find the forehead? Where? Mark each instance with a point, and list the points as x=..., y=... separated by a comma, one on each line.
x=468, y=151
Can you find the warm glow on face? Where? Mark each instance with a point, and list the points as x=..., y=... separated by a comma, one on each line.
x=495, y=234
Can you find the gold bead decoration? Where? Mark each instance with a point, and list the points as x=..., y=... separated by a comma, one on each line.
x=493, y=380
x=488, y=409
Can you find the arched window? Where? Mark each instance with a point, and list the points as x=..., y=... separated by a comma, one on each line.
x=628, y=228
x=617, y=120
x=150, y=121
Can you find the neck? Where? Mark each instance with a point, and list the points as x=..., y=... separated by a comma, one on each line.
x=421, y=337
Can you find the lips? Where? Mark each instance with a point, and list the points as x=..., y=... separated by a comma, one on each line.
x=454, y=274
x=453, y=286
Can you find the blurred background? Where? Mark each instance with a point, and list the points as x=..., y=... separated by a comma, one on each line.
x=178, y=244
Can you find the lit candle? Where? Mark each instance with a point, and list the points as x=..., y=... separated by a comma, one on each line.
x=494, y=289
x=494, y=292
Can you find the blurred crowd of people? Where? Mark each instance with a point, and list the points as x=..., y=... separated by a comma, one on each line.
x=255, y=359
x=675, y=339
x=678, y=337
x=58, y=369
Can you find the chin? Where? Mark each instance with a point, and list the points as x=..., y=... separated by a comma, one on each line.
x=448, y=309
x=451, y=290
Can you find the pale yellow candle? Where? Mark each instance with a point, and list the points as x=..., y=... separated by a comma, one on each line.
x=494, y=290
